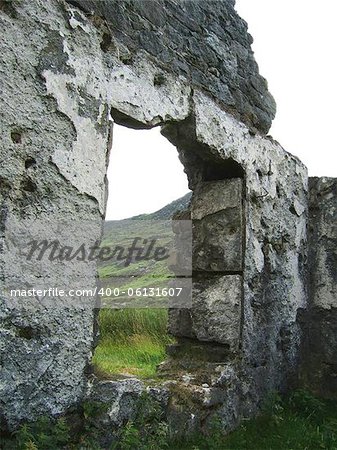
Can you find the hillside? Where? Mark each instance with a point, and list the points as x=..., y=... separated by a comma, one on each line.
x=115, y=273
x=167, y=211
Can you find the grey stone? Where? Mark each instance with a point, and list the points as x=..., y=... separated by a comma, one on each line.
x=180, y=323
x=216, y=310
x=216, y=212
x=119, y=397
x=205, y=34
x=323, y=242
x=215, y=314
x=274, y=276
x=56, y=141
x=319, y=321
x=120, y=401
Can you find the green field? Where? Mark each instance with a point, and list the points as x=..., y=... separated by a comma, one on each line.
x=133, y=341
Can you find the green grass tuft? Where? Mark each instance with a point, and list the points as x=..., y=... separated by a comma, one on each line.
x=133, y=341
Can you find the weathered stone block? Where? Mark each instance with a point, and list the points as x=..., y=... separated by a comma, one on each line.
x=319, y=322
x=191, y=51
x=217, y=226
x=180, y=323
x=323, y=242
x=216, y=313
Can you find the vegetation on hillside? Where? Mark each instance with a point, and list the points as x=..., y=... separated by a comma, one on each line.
x=133, y=341
x=123, y=276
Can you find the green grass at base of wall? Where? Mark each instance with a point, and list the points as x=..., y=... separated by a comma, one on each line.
x=139, y=355
x=133, y=341
x=298, y=422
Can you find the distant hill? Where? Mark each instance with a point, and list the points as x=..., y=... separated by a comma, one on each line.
x=167, y=211
x=138, y=274
x=164, y=213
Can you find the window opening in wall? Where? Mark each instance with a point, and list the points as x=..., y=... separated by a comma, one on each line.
x=147, y=185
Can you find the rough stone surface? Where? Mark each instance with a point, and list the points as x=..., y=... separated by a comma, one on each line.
x=274, y=279
x=115, y=403
x=319, y=359
x=57, y=93
x=216, y=310
x=205, y=42
x=323, y=242
x=215, y=313
x=184, y=404
x=216, y=212
x=44, y=352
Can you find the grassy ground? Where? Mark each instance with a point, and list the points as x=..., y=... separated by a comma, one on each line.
x=133, y=341
x=297, y=422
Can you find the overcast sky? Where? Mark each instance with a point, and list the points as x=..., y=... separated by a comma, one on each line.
x=295, y=45
x=144, y=173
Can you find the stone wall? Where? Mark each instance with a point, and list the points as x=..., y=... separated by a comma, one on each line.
x=44, y=178
x=319, y=368
x=205, y=42
x=275, y=246
x=68, y=66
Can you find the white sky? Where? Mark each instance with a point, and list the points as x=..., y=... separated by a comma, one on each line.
x=144, y=173
x=295, y=45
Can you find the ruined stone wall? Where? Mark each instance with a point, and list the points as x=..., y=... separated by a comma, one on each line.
x=57, y=92
x=319, y=321
x=68, y=65
x=205, y=42
x=274, y=249
x=44, y=178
